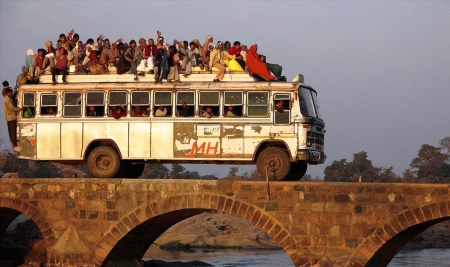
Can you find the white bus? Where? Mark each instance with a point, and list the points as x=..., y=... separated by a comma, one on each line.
x=74, y=123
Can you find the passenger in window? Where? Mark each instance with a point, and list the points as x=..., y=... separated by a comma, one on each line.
x=51, y=111
x=60, y=66
x=279, y=106
x=231, y=112
x=92, y=112
x=160, y=111
x=119, y=112
x=184, y=110
x=137, y=111
x=208, y=113
x=144, y=113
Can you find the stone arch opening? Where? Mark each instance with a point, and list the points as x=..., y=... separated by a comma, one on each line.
x=388, y=250
x=27, y=237
x=384, y=243
x=130, y=243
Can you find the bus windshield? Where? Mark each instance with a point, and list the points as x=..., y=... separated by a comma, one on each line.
x=309, y=106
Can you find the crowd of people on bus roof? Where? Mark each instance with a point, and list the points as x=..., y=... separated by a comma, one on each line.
x=165, y=61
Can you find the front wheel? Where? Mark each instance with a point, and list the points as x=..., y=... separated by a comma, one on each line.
x=103, y=162
x=274, y=162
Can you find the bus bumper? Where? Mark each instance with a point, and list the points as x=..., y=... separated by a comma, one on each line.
x=311, y=156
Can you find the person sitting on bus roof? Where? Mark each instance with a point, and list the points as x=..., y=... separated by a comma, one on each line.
x=160, y=55
x=151, y=51
x=38, y=65
x=226, y=46
x=134, y=56
x=60, y=66
x=244, y=52
x=216, y=60
x=236, y=51
x=108, y=52
x=61, y=41
x=256, y=66
x=279, y=106
x=68, y=53
x=91, y=111
x=91, y=55
x=208, y=113
x=161, y=111
x=123, y=66
x=173, y=58
x=29, y=63
x=146, y=60
x=205, y=51
x=231, y=112
x=50, y=53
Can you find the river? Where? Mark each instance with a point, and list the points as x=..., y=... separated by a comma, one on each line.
x=270, y=258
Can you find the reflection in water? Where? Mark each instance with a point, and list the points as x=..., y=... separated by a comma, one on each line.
x=225, y=257
x=269, y=258
x=436, y=257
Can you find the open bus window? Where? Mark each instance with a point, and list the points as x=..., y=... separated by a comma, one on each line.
x=95, y=104
x=49, y=104
x=162, y=104
x=72, y=104
x=257, y=104
x=117, y=100
x=233, y=102
x=185, y=104
x=28, y=103
x=209, y=100
x=140, y=103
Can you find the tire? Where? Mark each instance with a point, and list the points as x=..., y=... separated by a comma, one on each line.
x=297, y=171
x=277, y=162
x=103, y=162
x=131, y=170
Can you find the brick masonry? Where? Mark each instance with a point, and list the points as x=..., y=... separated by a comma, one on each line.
x=317, y=224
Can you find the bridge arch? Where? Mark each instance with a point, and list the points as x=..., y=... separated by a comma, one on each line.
x=11, y=208
x=160, y=215
x=379, y=248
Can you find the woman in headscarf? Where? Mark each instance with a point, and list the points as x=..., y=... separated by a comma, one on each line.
x=256, y=66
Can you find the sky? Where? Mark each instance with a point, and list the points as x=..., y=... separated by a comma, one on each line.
x=381, y=68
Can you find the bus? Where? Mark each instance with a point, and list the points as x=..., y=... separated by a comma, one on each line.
x=116, y=125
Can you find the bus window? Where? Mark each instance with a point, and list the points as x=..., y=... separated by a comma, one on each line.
x=257, y=104
x=209, y=100
x=72, y=104
x=28, y=104
x=306, y=102
x=185, y=104
x=162, y=104
x=140, y=103
x=233, y=104
x=116, y=100
x=282, y=109
x=49, y=104
x=95, y=104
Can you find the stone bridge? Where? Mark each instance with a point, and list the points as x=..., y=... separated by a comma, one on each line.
x=316, y=223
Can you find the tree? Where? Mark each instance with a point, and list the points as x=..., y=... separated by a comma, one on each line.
x=337, y=171
x=177, y=171
x=156, y=170
x=233, y=171
x=431, y=165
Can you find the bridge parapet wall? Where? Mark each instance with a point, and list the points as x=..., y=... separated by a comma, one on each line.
x=327, y=224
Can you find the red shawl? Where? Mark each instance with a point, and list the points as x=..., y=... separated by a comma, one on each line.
x=256, y=66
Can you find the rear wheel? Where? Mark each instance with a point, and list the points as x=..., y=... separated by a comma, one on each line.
x=103, y=162
x=274, y=161
x=297, y=171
